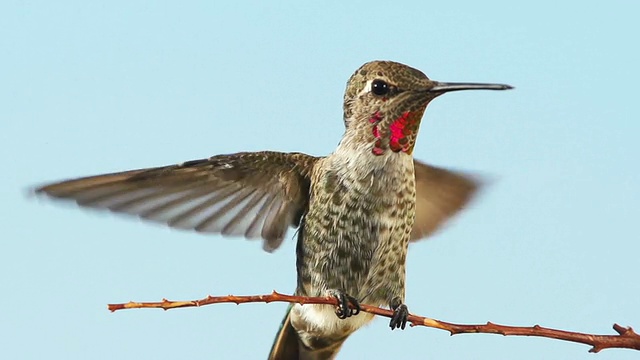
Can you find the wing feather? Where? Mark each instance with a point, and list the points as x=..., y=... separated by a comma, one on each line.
x=440, y=194
x=248, y=194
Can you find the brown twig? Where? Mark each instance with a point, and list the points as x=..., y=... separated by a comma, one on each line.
x=626, y=337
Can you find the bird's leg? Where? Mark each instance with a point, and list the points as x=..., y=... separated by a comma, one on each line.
x=343, y=310
x=400, y=314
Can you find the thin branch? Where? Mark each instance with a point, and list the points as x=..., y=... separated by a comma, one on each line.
x=626, y=337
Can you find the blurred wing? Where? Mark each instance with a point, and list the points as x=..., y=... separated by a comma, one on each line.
x=246, y=194
x=440, y=194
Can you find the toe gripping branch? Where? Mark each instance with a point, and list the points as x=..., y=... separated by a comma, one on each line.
x=400, y=315
x=347, y=305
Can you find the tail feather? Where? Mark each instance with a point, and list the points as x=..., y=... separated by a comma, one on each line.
x=289, y=346
x=286, y=345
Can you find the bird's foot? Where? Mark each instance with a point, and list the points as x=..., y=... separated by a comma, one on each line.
x=347, y=304
x=400, y=315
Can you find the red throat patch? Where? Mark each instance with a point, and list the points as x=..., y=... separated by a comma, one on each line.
x=402, y=133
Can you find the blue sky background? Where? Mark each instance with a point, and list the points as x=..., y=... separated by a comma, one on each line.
x=88, y=88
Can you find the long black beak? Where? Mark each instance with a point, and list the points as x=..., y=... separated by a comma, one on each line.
x=442, y=87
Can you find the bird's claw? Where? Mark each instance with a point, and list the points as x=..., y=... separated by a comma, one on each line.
x=399, y=319
x=347, y=305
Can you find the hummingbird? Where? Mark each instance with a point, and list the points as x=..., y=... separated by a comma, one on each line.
x=355, y=210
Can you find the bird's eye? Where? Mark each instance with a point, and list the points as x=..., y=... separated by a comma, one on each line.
x=379, y=87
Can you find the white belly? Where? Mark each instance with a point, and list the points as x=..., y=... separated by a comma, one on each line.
x=324, y=319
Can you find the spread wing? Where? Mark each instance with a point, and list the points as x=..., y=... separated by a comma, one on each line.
x=253, y=195
x=440, y=194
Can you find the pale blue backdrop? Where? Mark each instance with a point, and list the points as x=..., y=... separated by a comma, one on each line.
x=89, y=88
